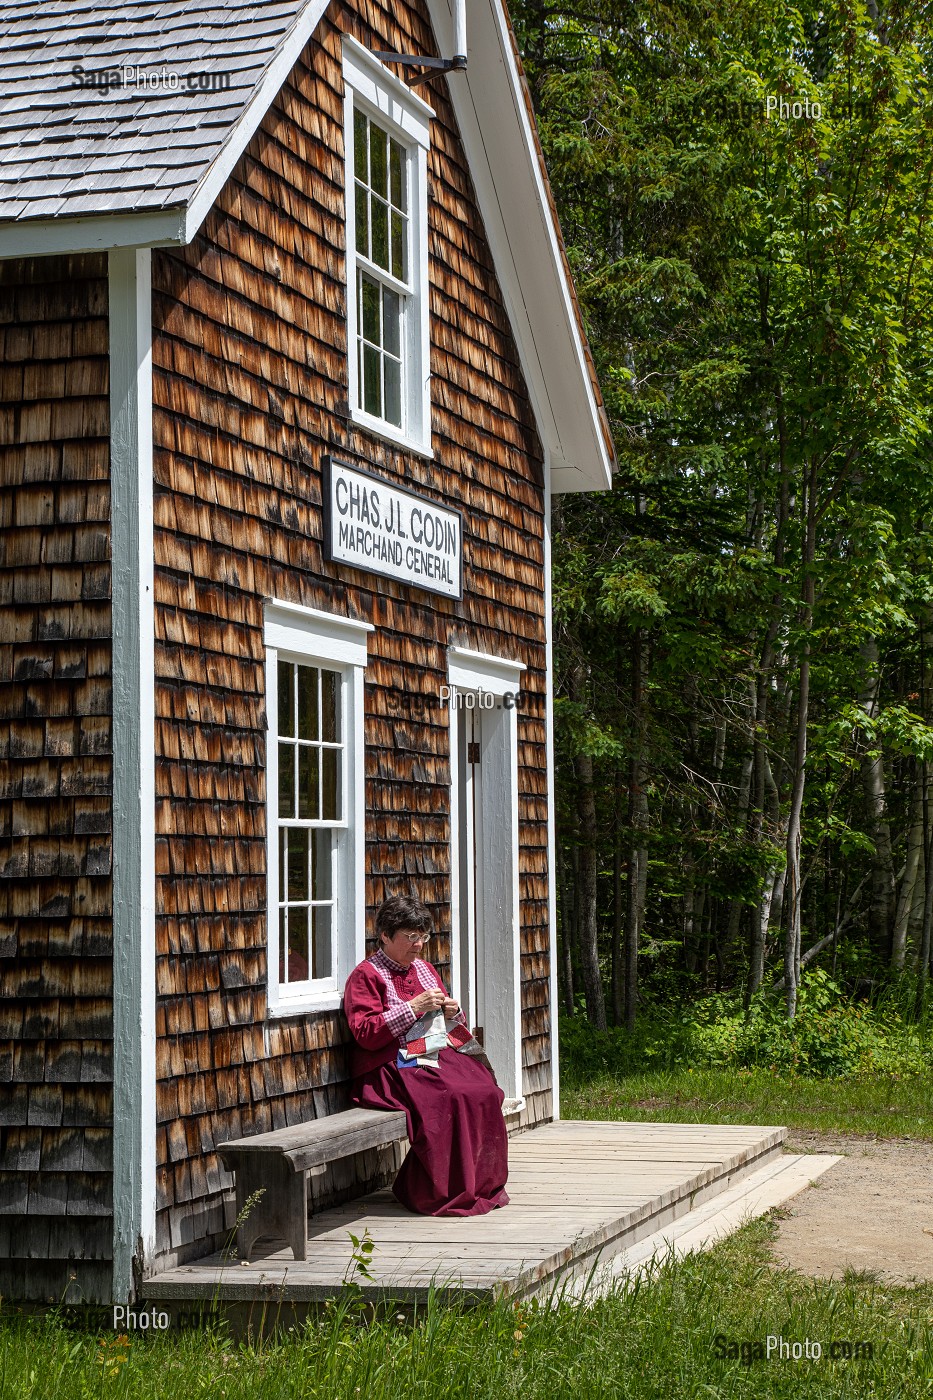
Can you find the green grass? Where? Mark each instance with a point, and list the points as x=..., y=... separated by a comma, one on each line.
x=879, y=1105
x=658, y=1341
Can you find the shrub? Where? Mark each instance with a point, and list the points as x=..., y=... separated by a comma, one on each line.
x=830, y=1037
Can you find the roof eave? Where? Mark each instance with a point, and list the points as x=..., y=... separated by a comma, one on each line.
x=493, y=109
x=36, y=238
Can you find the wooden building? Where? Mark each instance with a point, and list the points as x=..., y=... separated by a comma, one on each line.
x=291, y=368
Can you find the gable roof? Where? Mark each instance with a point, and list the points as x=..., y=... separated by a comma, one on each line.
x=90, y=164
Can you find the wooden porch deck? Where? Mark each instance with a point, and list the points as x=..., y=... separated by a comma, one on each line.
x=580, y=1191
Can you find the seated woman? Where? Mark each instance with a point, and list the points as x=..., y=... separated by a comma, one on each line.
x=458, y=1161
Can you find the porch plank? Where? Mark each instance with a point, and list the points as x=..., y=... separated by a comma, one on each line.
x=578, y=1191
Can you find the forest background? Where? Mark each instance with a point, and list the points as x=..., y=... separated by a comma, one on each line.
x=744, y=624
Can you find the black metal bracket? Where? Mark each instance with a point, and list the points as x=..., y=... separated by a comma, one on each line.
x=432, y=65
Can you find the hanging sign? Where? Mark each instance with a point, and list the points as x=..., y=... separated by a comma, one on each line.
x=387, y=530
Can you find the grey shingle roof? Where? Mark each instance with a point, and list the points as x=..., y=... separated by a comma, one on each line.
x=70, y=150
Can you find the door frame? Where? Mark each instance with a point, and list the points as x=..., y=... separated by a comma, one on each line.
x=499, y=678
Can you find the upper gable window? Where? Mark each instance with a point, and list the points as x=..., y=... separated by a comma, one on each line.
x=386, y=135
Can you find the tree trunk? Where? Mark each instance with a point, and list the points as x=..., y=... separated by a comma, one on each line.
x=566, y=930
x=638, y=820
x=589, y=866
x=617, y=914
x=873, y=780
x=759, y=939
x=908, y=883
x=794, y=820
x=925, y=963
x=689, y=904
x=737, y=905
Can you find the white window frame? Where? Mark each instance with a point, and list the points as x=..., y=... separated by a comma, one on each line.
x=369, y=85
x=312, y=637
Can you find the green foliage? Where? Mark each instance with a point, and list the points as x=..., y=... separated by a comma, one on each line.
x=756, y=290
x=829, y=1038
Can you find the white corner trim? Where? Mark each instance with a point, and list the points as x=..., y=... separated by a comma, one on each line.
x=340, y=639
x=473, y=670
x=553, y=983
x=134, y=999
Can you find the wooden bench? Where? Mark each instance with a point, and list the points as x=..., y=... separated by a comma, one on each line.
x=279, y=1163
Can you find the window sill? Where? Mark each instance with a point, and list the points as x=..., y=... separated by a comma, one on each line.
x=304, y=1006
x=377, y=428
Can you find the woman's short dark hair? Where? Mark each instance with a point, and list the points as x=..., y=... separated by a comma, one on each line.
x=400, y=913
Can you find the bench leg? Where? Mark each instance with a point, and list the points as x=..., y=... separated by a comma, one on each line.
x=281, y=1213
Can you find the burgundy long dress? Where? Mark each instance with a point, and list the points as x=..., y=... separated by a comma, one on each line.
x=458, y=1160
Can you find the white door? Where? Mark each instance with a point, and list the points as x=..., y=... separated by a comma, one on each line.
x=484, y=856
x=470, y=802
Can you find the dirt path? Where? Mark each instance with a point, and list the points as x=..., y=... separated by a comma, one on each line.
x=871, y=1212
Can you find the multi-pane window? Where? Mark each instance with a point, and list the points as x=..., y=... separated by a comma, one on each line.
x=387, y=136
x=382, y=236
x=315, y=805
x=311, y=809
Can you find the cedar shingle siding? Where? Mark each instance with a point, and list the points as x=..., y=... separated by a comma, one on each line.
x=249, y=392
x=55, y=779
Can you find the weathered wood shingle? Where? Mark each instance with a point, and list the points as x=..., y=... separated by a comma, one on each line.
x=249, y=378
x=55, y=779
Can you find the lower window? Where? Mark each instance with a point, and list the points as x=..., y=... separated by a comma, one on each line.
x=314, y=790
x=312, y=834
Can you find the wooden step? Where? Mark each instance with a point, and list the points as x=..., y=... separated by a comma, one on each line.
x=704, y=1226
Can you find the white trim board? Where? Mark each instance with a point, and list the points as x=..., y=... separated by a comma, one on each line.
x=134, y=990
x=474, y=670
x=501, y=915
x=550, y=779
x=341, y=639
x=311, y=635
x=37, y=238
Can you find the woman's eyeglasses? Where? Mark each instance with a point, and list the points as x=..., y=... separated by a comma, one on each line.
x=415, y=937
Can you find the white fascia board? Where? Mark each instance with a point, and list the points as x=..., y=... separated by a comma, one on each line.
x=246, y=125
x=474, y=670
x=502, y=153
x=564, y=481
x=134, y=984
x=36, y=238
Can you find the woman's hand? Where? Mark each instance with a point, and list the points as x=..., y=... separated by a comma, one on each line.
x=431, y=1000
x=451, y=1007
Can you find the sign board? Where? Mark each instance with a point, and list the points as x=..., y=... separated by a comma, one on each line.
x=387, y=530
